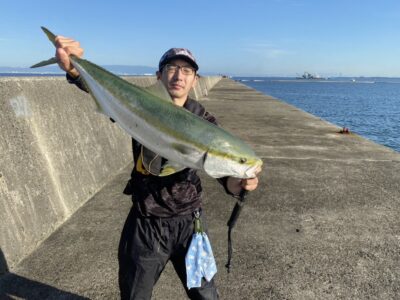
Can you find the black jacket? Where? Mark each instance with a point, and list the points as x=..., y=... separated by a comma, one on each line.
x=176, y=194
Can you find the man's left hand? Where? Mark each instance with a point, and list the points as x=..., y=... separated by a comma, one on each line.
x=235, y=185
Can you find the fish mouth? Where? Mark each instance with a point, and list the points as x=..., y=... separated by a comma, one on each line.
x=252, y=171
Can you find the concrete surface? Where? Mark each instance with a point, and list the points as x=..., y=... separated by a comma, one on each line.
x=322, y=225
x=56, y=153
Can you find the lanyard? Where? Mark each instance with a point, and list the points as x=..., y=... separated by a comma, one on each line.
x=231, y=223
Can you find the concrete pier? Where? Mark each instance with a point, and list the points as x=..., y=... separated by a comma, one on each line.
x=323, y=225
x=56, y=153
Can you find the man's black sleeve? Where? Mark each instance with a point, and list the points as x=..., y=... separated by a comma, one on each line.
x=78, y=82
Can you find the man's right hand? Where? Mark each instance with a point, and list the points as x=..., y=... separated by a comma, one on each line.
x=64, y=48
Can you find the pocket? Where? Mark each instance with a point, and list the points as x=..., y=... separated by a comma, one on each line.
x=184, y=191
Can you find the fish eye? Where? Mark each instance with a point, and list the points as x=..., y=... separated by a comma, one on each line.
x=242, y=160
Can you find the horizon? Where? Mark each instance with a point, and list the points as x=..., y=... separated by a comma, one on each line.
x=151, y=71
x=43, y=70
x=38, y=71
x=275, y=38
x=49, y=70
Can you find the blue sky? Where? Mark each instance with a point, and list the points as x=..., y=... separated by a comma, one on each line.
x=256, y=38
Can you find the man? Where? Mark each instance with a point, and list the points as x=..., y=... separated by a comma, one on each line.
x=159, y=226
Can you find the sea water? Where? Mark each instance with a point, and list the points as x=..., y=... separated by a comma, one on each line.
x=369, y=107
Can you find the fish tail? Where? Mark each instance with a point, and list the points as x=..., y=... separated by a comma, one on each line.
x=52, y=60
x=51, y=36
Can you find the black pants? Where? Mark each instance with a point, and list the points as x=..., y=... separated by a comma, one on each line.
x=146, y=245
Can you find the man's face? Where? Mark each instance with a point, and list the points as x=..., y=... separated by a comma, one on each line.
x=177, y=83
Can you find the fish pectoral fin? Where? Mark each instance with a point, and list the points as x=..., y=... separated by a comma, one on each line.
x=170, y=168
x=43, y=63
x=182, y=148
x=158, y=89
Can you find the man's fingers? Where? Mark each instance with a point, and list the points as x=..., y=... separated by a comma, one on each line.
x=62, y=41
x=64, y=48
x=69, y=45
x=63, y=59
x=73, y=50
x=236, y=184
x=250, y=184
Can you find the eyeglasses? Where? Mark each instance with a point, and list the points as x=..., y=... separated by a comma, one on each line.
x=174, y=68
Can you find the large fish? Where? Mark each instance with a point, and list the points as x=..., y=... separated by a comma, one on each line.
x=150, y=117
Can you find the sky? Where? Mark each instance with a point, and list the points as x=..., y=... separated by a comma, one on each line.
x=237, y=38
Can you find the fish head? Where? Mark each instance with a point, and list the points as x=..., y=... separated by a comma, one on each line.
x=239, y=162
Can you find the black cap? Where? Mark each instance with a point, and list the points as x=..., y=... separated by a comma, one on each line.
x=178, y=53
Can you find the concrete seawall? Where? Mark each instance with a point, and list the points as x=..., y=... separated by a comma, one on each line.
x=55, y=154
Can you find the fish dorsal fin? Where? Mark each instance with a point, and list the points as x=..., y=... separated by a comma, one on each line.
x=158, y=89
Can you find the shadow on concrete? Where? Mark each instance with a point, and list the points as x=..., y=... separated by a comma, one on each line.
x=3, y=264
x=13, y=285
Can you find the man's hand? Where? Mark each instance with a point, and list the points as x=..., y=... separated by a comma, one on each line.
x=235, y=185
x=64, y=48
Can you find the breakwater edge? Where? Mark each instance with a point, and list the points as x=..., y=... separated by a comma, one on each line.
x=367, y=106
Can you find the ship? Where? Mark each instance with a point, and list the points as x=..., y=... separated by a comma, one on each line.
x=309, y=76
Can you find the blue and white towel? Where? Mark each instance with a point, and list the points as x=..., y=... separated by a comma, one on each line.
x=199, y=260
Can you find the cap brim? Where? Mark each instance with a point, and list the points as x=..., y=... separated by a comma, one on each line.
x=183, y=57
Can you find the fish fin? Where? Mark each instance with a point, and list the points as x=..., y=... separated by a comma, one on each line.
x=170, y=168
x=182, y=148
x=158, y=89
x=52, y=60
x=43, y=63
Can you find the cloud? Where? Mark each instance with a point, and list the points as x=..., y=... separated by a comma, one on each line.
x=266, y=50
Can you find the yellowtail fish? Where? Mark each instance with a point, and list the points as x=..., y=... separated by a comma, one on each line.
x=151, y=118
